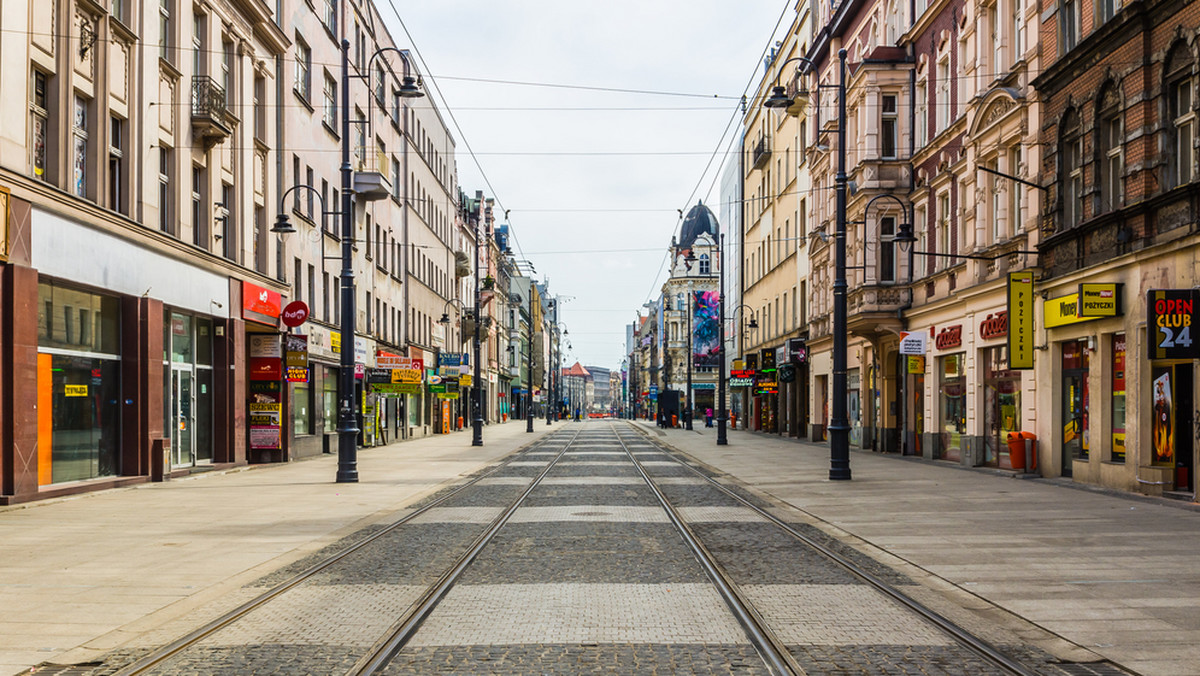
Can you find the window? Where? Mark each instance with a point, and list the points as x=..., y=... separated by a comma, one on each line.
x=1014, y=191
x=943, y=229
x=228, y=221
x=705, y=265
x=921, y=119
x=198, y=50
x=1106, y=9
x=397, y=180
x=993, y=202
x=166, y=210
x=260, y=108
x=164, y=30
x=380, y=86
x=1071, y=151
x=329, y=109
x=324, y=295
x=1018, y=29
x=1110, y=150
x=1068, y=26
x=329, y=16
x=228, y=73
x=887, y=127
x=1183, y=118
x=942, y=104
x=116, y=172
x=887, y=249
x=993, y=20
x=260, y=239
x=303, y=68
x=312, y=286
x=79, y=155
x=296, y=179
x=309, y=194
x=39, y=125
x=199, y=220
x=117, y=9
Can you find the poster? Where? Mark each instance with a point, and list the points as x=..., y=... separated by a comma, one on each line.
x=1163, y=429
x=265, y=429
x=705, y=329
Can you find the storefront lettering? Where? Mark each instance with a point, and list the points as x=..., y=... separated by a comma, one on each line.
x=994, y=326
x=949, y=337
x=1173, y=312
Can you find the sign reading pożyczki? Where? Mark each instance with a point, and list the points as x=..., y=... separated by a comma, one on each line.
x=1020, y=320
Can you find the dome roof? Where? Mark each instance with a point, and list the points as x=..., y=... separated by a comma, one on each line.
x=698, y=221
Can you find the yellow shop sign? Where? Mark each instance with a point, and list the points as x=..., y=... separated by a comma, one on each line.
x=1062, y=311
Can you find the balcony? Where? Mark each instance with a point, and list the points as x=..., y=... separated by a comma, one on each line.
x=371, y=175
x=872, y=309
x=208, y=111
x=761, y=153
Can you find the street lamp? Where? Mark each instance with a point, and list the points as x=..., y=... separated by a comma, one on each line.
x=518, y=263
x=839, y=424
x=347, y=471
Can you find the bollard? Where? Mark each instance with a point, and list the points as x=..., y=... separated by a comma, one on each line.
x=1029, y=456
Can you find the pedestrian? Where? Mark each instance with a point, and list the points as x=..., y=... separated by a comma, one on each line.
x=708, y=417
x=576, y=414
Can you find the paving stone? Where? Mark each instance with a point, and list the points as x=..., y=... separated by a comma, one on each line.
x=756, y=553
x=623, y=513
x=888, y=660
x=630, y=494
x=521, y=660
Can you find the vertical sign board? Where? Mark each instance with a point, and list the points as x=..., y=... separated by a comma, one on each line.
x=266, y=397
x=1020, y=320
x=1171, y=316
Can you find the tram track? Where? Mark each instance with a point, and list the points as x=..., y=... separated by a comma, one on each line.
x=157, y=658
x=982, y=649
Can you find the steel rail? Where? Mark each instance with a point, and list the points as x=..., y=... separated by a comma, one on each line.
x=166, y=652
x=772, y=650
x=403, y=630
x=980, y=647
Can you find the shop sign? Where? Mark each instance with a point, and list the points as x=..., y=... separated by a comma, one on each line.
x=1100, y=300
x=766, y=387
x=265, y=429
x=360, y=371
x=75, y=390
x=295, y=350
x=335, y=342
x=741, y=382
x=379, y=376
x=1171, y=314
x=704, y=386
x=447, y=395
x=797, y=351
x=913, y=342
x=739, y=364
x=450, y=359
x=1063, y=311
x=781, y=355
x=437, y=388
x=364, y=351
x=949, y=337
x=1020, y=320
x=297, y=374
x=395, y=389
x=266, y=368
x=260, y=305
x=266, y=345
x=916, y=363
x=994, y=326
x=464, y=380
x=319, y=342
x=742, y=373
x=768, y=359
x=295, y=314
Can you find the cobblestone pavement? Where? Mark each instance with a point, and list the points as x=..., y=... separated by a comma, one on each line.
x=588, y=575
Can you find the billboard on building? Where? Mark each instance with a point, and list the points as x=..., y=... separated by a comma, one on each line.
x=706, y=347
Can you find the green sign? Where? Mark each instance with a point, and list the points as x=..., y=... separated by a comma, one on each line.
x=396, y=389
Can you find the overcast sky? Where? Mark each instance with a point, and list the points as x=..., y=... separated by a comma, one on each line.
x=593, y=180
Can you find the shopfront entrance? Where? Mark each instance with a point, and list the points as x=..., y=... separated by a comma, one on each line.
x=1174, y=419
x=1074, y=403
x=188, y=399
x=1001, y=406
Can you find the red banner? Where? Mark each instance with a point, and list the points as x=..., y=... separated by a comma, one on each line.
x=260, y=305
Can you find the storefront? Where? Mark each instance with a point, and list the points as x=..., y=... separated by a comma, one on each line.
x=1001, y=391
x=1171, y=316
x=188, y=385
x=78, y=384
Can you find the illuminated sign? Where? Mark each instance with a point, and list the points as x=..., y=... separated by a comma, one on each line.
x=1171, y=314
x=260, y=305
x=1062, y=311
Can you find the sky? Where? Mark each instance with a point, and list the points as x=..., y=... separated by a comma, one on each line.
x=593, y=179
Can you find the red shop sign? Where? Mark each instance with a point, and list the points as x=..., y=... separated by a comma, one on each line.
x=295, y=314
x=260, y=305
x=949, y=337
x=266, y=368
x=995, y=326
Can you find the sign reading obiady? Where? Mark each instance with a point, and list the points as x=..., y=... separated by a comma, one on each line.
x=1020, y=320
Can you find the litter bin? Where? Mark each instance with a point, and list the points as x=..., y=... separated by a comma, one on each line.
x=1022, y=446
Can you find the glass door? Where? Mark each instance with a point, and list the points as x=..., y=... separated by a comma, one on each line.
x=182, y=421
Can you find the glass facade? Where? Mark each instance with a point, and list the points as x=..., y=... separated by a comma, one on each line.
x=188, y=387
x=1002, y=405
x=952, y=405
x=1074, y=401
x=78, y=384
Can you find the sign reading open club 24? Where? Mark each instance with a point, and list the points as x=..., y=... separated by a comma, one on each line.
x=1171, y=318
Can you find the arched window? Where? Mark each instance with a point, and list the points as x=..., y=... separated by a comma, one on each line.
x=1070, y=162
x=705, y=265
x=1109, y=148
x=1181, y=114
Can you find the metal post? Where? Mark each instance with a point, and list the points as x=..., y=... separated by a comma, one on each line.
x=549, y=370
x=477, y=390
x=529, y=366
x=722, y=413
x=691, y=348
x=839, y=425
x=347, y=471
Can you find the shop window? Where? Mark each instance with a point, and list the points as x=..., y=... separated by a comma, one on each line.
x=329, y=399
x=1118, y=398
x=1002, y=404
x=301, y=409
x=952, y=405
x=1075, y=439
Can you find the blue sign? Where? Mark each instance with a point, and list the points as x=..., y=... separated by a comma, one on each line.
x=704, y=386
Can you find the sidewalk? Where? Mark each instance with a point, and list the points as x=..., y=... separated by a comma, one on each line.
x=1117, y=574
x=81, y=575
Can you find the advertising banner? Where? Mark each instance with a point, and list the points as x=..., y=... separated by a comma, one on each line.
x=1100, y=300
x=1171, y=313
x=913, y=342
x=265, y=428
x=260, y=305
x=706, y=348
x=1020, y=320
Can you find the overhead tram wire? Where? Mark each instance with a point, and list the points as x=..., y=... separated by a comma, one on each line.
x=728, y=125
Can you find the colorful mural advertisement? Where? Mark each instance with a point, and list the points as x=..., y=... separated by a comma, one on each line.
x=1164, y=418
x=705, y=329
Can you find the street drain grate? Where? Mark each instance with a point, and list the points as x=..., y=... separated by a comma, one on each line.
x=1093, y=669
